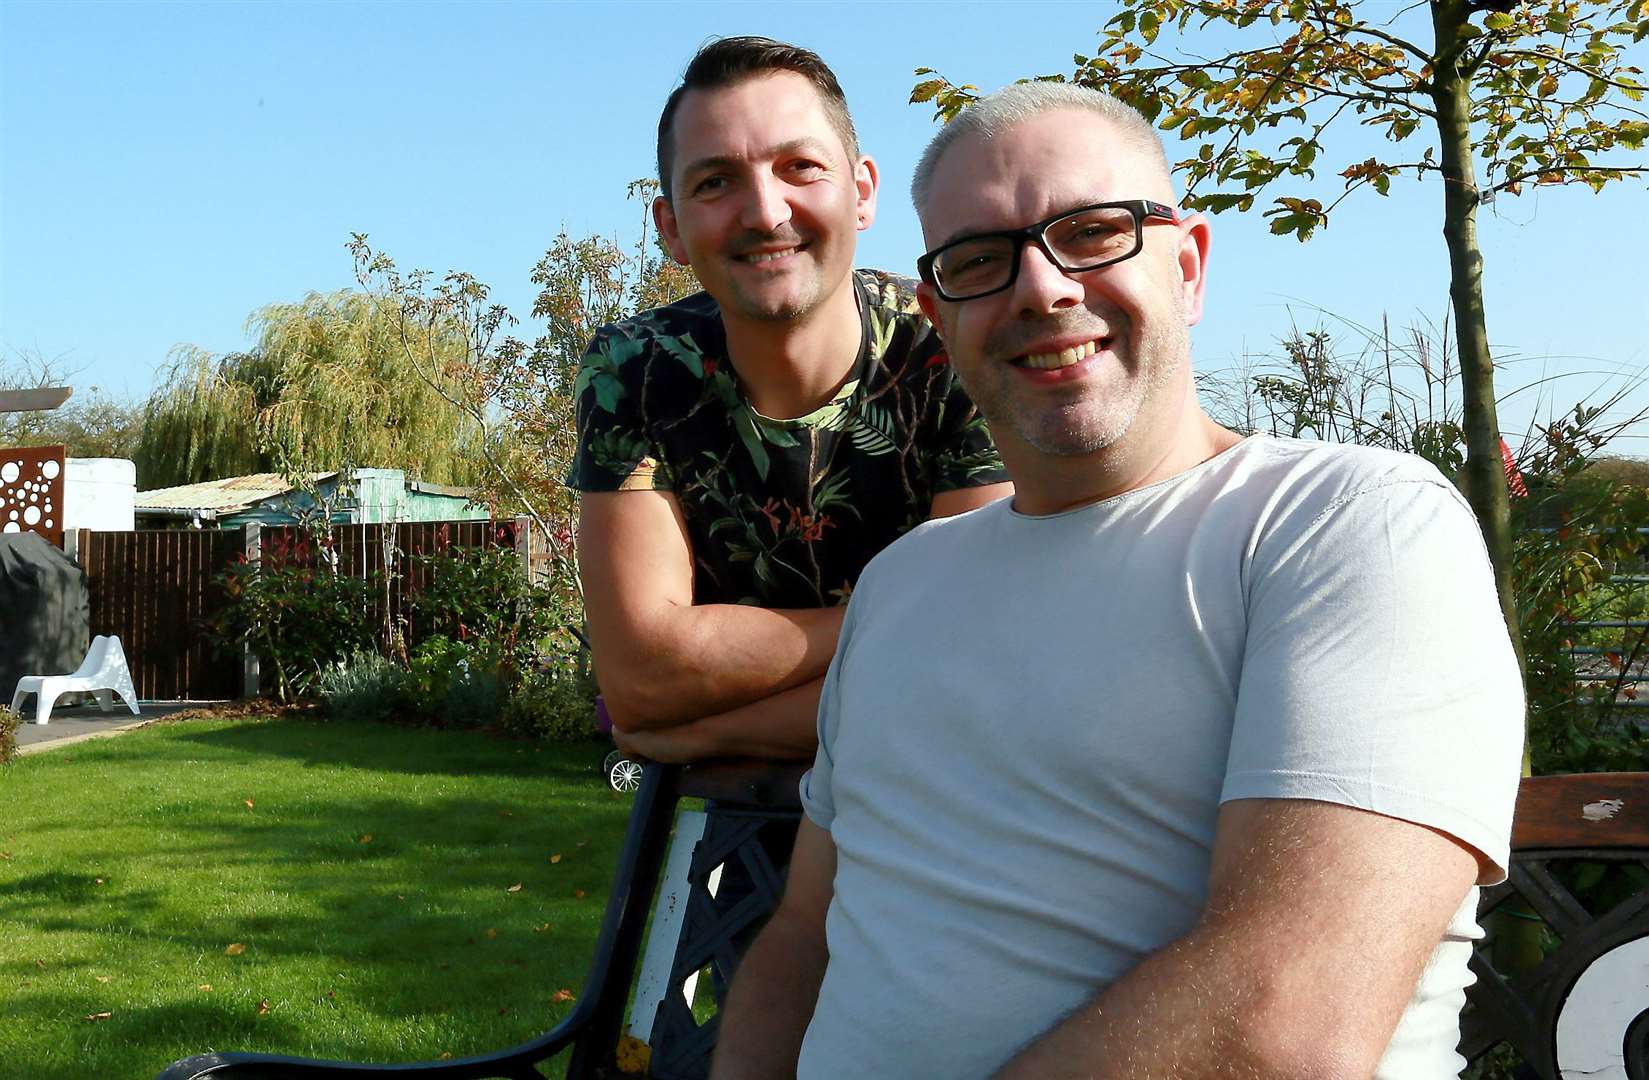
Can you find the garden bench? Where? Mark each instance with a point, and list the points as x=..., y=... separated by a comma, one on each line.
x=1580, y=871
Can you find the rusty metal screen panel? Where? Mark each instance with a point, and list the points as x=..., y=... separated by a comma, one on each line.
x=31, y=491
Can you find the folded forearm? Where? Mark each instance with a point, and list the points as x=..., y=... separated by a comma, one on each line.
x=709, y=659
x=782, y=727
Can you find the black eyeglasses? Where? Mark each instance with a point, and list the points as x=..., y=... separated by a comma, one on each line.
x=1078, y=240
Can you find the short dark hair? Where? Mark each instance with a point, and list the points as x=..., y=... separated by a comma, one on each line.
x=729, y=61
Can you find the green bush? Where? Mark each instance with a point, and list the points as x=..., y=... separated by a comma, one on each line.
x=8, y=735
x=474, y=699
x=555, y=705
x=480, y=599
x=299, y=617
x=366, y=686
x=455, y=683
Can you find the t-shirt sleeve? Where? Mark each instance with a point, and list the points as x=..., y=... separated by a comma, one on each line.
x=964, y=455
x=1378, y=672
x=615, y=452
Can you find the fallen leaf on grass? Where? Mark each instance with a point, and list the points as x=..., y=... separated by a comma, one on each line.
x=205, y=988
x=99, y=1016
x=578, y=894
x=514, y=888
x=263, y=1006
x=491, y=932
x=97, y=881
x=41, y=964
x=235, y=949
x=581, y=843
x=540, y=929
x=505, y=1011
x=446, y=1055
x=506, y=813
x=444, y=965
x=555, y=858
x=104, y=978
x=561, y=995
x=5, y=855
x=366, y=838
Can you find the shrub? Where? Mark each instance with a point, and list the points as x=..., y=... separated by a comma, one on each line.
x=366, y=686
x=481, y=599
x=298, y=617
x=455, y=683
x=553, y=704
x=8, y=735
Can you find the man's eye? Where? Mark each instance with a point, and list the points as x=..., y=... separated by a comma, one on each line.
x=806, y=167
x=709, y=185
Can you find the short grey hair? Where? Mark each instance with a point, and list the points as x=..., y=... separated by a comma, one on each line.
x=994, y=114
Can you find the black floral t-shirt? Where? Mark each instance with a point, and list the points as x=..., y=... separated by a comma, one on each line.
x=780, y=513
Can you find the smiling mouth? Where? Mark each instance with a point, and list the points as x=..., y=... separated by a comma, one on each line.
x=1062, y=359
x=757, y=258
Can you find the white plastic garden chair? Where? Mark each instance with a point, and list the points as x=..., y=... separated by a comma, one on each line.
x=103, y=673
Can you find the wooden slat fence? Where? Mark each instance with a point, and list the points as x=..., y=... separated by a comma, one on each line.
x=154, y=588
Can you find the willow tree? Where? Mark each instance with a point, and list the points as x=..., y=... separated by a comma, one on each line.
x=519, y=396
x=1485, y=97
x=327, y=383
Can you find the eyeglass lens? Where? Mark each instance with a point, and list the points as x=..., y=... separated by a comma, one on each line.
x=1080, y=241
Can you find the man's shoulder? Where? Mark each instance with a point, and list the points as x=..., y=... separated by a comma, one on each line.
x=695, y=311
x=894, y=293
x=1335, y=471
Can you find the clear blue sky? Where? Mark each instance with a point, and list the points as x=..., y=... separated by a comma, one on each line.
x=165, y=169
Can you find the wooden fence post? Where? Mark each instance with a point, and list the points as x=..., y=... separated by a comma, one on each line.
x=252, y=544
x=523, y=547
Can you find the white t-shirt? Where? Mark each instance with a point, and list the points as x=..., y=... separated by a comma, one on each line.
x=1030, y=724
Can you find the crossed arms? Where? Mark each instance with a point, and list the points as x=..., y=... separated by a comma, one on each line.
x=1319, y=921
x=687, y=681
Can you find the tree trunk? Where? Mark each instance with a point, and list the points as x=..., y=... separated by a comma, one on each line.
x=1485, y=471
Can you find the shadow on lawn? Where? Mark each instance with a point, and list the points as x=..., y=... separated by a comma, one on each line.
x=319, y=741
x=391, y=900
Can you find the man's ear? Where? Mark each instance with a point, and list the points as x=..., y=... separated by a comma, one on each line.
x=1193, y=264
x=928, y=301
x=865, y=180
x=664, y=218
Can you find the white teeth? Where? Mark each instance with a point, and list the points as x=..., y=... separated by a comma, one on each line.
x=769, y=256
x=1062, y=358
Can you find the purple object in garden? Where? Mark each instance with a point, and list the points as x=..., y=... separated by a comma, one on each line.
x=603, y=718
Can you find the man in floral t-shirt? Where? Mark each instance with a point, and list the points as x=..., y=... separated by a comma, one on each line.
x=744, y=452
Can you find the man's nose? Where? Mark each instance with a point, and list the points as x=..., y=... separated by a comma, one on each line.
x=1041, y=286
x=766, y=208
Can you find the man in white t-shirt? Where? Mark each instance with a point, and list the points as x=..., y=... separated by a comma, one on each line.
x=1186, y=763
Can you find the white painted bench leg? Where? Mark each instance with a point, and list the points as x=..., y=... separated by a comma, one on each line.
x=660, y=956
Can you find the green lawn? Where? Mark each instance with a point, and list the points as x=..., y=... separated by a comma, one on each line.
x=297, y=886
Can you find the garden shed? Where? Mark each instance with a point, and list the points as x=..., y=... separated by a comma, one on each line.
x=372, y=495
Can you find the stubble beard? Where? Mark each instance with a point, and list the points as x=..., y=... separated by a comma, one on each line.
x=1092, y=417
x=807, y=298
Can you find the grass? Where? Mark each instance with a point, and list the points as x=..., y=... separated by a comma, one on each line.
x=294, y=885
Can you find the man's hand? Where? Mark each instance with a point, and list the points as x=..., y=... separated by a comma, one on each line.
x=1319, y=921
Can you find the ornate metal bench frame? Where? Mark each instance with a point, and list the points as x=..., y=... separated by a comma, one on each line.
x=752, y=812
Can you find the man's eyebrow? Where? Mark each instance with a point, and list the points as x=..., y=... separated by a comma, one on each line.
x=968, y=232
x=806, y=145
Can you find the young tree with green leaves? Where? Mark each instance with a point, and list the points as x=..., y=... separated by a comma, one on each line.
x=1486, y=96
x=518, y=396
